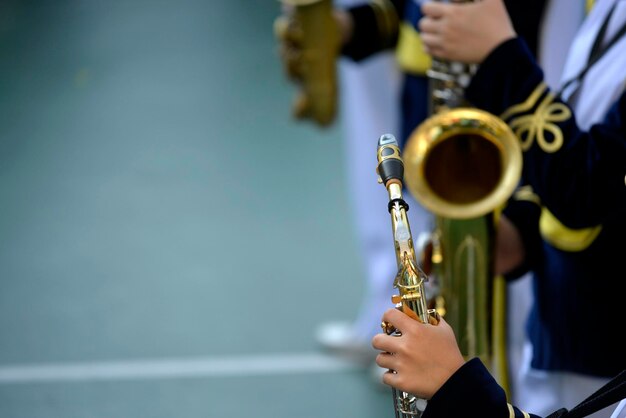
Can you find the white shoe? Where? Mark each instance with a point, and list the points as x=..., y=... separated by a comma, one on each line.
x=340, y=338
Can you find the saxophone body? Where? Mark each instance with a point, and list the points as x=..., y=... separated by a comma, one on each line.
x=462, y=164
x=410, y=279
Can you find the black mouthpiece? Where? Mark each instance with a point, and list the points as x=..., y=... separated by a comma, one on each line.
x=390, y=164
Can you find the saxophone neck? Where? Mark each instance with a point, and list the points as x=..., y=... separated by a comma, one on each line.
x=447, y=84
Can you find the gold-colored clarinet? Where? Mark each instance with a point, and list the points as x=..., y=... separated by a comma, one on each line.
x=410, y=279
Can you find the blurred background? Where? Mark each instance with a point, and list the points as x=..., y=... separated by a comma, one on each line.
x=169, y=236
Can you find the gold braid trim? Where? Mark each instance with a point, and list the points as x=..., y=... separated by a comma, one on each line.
x=533, y=126
x=553, y=231
x=511, y=410
x=526, y=193
x=386, y=19
x=527, y=128
x=527, y=104
x=564, y=238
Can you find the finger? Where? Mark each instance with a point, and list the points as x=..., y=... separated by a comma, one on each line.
x=386, y=361
x=385, y=343
x=442, y=323
x=376, y=341
x=390, y=378
x=434, y=9
x=399, y=319
x=432, y=45
x=427, y=25
x=431, y=40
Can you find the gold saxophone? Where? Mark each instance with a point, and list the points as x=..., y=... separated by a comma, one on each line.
x=310, y=41
x=410, y=279
x=462, y=164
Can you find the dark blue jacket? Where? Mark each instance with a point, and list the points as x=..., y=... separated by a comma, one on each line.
x=574, y=228
x=471, y=391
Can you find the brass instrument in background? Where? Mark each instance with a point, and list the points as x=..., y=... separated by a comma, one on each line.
x=462, y=164
x=310, y=45
x=410, y=279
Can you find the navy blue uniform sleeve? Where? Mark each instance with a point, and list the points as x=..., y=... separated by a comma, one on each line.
x=376, y=28
x=578, y=175
x=471, y=391
x=376, y=24
x=526, y=17
x=524, y=214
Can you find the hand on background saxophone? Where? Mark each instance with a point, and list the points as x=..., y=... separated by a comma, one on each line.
x=310, y=34
x=423, y=358
x=465, y=32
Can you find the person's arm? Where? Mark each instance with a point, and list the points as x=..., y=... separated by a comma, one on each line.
x=424, y=356
x=426, y=362
x=518, y=240
x=578, y=175
x=369, y=27
x=374, y=26
x=510, y=252
x=472, y=391
x=465, y=32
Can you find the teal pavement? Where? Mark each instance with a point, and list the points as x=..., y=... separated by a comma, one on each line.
x=169, y=236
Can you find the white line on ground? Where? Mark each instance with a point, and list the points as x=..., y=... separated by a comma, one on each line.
x=175, y=368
